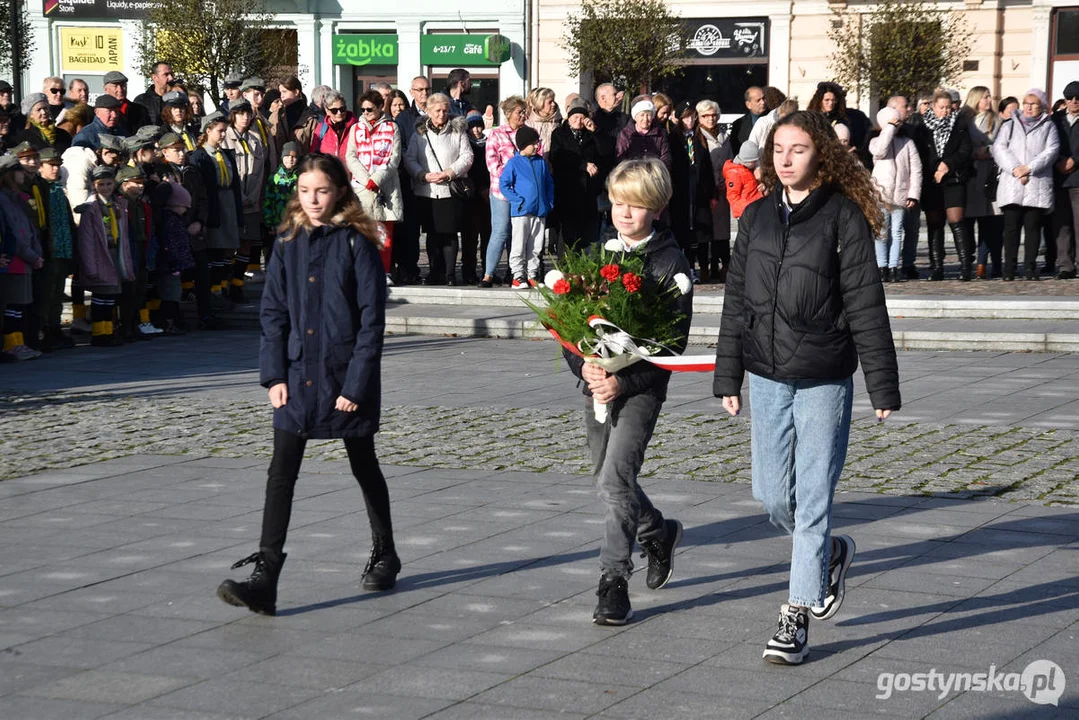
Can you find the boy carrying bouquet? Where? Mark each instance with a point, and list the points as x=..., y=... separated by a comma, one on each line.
x=639, y=191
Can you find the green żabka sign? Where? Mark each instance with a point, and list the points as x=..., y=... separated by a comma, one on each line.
x=464, y=50
x=355, y=49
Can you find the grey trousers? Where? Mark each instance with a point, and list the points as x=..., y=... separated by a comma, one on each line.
x=618, y=448
x=1064, y=223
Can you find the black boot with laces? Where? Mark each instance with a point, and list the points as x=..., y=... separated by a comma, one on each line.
x=257, y=593
x=382, y=567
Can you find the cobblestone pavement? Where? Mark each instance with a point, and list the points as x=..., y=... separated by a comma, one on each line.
x=974, y=424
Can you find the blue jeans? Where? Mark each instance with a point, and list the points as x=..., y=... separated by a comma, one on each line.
x=800, y=430
x=500, y=234
x=891, y=240
x=912, y=224
x=617, y=447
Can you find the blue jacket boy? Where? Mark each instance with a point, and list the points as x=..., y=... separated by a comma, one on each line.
x=528, y=186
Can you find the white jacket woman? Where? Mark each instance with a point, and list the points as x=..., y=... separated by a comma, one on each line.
x=433, y=150
x=1033, y=144
x=373, y=157
x=897, y=167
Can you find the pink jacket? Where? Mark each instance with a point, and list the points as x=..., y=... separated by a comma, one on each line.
x=897, y=167
x=95, y=257
x=500, y=148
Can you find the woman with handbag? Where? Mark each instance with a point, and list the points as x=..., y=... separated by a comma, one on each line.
x=438, y=160
x=982, y=209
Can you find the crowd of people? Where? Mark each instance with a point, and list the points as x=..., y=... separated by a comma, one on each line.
x=184, y=203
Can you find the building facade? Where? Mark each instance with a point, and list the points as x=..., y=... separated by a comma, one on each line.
x=733, y=44
x=346, y=44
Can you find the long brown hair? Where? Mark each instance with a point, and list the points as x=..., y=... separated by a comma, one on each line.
x=836, y=167
x=346, y=213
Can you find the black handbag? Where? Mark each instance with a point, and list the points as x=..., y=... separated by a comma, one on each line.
x=460, y=187
x=992, y=181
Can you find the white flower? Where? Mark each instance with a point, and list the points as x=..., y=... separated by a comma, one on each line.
x=552, y=277
x=684, y=283
x=614, y=245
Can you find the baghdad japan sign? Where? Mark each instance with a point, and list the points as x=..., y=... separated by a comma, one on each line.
x=724, y=38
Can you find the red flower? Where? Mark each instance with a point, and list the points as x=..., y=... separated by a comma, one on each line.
x=561, y=287
x=632, y=282
x=610, y=272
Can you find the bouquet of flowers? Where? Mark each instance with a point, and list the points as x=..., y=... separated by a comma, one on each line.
x=601, y=307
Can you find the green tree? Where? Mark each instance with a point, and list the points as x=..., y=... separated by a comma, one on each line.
x=629, y=42
x=903, y=47
x=206, y=40
x=15, y=14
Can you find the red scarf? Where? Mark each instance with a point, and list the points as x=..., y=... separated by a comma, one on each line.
x=373, y=147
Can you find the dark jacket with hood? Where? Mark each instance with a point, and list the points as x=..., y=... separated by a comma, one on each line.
x=663, y=260
x=804, y=300
x=323, y=318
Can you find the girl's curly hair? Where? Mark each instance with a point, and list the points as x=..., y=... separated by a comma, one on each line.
x=836, y=167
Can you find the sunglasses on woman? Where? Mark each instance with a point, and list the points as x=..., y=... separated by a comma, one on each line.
x=370, y=109
x=335, y=110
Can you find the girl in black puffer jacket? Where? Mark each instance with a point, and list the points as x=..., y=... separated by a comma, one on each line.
x=803, y=304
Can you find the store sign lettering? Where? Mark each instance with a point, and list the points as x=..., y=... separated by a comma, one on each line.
x=365, y=49
x=726, y=38
x=95, y=49
x=464, y=49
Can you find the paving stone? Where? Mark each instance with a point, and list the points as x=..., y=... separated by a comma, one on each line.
x=106, y=686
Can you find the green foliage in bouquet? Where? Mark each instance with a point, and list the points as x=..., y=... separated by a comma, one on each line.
x=614, y=287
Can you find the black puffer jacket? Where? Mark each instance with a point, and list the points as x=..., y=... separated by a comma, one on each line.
x=662, y=262
x=804, y=300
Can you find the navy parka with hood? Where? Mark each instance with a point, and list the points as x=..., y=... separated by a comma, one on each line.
x=323, y=318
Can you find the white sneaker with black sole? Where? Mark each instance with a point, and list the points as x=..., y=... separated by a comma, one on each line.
x=837, y=578
x=790, y=644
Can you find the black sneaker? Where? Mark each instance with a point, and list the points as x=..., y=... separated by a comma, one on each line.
x=613, y=607
x=790, y=644
x=660, y=554
x=837, y=578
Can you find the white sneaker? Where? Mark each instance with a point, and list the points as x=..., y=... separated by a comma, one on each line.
x=82, y=325
x=389, y=280
x=22, y=352
x=148, y=328
x=255, y=276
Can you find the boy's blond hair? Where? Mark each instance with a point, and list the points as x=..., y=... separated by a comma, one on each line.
x=644, y=182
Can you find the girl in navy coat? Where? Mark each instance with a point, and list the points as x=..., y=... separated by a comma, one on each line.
x=323, y=317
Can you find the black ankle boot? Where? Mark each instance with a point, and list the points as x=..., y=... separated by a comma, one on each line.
x=936, y=254
x=257, y=593
x=964, y=248
x=382, y=567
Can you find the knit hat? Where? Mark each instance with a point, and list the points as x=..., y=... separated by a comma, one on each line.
x=179, y=195
x=577, y=110
x=5, y=86
x=1040, y=94
x=130, y=172
x=748, y=153
x=642, y=106
x=291, y=148
x=102, y=172
x=474, y=119
x=955, y=96
x=526, y=136
x=107, y=101
x=31, y=100
x=1071, y=90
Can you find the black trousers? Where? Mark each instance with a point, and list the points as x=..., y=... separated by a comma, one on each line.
x=288, y=451
x=442, y=256
x=1028, y=220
